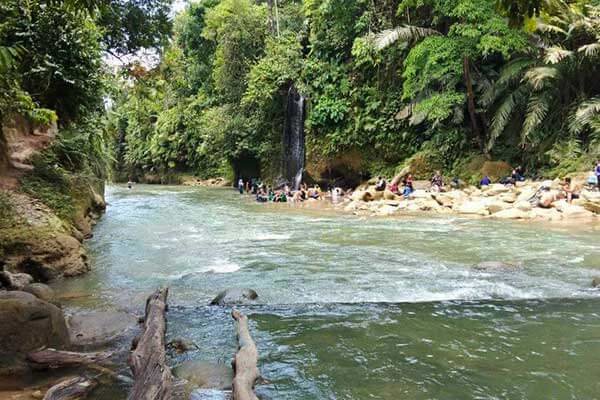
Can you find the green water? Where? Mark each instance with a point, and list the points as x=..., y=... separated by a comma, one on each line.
x=353, y=308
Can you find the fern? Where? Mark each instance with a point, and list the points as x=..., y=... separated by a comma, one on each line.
x=405, y=33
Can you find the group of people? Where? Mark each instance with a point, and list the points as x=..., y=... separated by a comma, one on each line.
x=283, y=194
x=401, y=187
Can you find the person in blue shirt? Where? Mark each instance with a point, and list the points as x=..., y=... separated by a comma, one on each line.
x=486, y=181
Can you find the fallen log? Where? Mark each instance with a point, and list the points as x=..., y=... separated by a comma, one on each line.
x=51, y=358
x=152, y=377
x=245, y=362
x=71, y=389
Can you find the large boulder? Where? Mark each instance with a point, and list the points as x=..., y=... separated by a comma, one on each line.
x=16, y=281
x=99, y=327
x=234, y=296
x=41, y=291
x=494, y=205
x=473, y=208
x=523, y=205
x=496, y=189
x=28, y=323
x=513, y=213
x=591, y=206
x=571, y=211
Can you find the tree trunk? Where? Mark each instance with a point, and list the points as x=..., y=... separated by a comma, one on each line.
x=152, y=377
x=71, y=389
x=51, y=358
x=477, y=132
x=245, y=362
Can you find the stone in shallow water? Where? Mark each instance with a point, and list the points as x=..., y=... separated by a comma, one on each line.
x=234, y=296
x=99, y=327
x=205, y=374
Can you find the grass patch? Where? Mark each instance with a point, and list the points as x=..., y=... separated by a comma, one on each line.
x=8, y=217
x=50, y=184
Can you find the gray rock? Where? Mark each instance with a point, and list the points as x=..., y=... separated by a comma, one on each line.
x=201, y=374
x=596, y=282
x=41, y=291
x=234, y=296
x=15, y=281
x=496, y=266
x=99, y=327
x=28, y=323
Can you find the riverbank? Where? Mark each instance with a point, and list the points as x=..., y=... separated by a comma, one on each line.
x=541, y=201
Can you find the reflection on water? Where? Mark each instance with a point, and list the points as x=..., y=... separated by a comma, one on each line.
x=328, y=325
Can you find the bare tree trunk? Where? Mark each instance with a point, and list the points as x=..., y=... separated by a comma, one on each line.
x=471, y=105
x=152, y=377
x=71, y=389
x=50, y=358
x=245, y=363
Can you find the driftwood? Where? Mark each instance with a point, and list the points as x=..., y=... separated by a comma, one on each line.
x=50, y=358
x=245, y=363
x=152, y=377
x=71, y=389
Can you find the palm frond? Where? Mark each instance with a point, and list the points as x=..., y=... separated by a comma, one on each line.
x=549, y=28
x=587, y=114
x=538, y=76
x=590, y=50
x=504, y=113
x=537, y=110
x=405, y=33
x=556, y=54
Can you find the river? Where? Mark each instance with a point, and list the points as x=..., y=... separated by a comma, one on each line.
x=359, y=308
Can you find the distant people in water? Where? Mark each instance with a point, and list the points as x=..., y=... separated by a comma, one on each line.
x=437, y=182
x=129, y=184
x=381, y=184
x=485, y=181
x=241, y=186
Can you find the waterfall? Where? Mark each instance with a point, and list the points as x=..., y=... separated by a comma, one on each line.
x=293, y=138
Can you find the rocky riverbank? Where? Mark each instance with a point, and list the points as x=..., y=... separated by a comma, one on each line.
x=523, y=201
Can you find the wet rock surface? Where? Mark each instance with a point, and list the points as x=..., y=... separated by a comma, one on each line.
x=235, y=296
x=99, y=327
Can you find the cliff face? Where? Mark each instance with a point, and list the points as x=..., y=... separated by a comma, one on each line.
x=43, y=224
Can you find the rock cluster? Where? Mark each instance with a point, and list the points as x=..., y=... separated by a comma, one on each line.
x=524, y=201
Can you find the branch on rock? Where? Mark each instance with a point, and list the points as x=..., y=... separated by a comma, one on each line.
x=152, y=377
x=51, y=358
x=245, y=363
x=71, y=389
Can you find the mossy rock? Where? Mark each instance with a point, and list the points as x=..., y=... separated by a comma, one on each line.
x=423, y=164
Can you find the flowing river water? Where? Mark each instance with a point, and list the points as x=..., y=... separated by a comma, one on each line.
x=355, y=308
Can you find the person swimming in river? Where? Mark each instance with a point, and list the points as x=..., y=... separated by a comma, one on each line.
x=129, y=184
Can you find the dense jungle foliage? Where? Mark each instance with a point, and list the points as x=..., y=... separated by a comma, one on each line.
x=432, y=83
x=53, y=70
x=439, y=83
